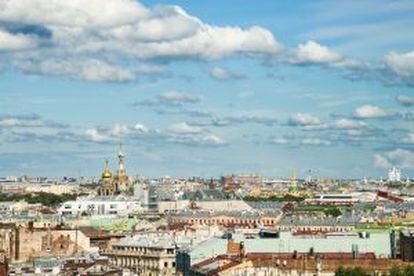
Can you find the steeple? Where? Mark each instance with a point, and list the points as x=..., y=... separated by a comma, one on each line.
x=121, y=172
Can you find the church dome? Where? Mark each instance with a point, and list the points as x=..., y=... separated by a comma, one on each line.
x=106, y=173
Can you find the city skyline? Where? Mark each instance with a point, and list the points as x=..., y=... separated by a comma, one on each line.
x=200, y=89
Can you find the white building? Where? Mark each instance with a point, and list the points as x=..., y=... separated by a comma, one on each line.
x=101, y=205
x=394, y=174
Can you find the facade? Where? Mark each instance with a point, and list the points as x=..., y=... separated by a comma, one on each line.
x=227, y=218
x=23, y=243
x=290, y=251
x=407, y=246
x=13, y=207
x=148, y=254
x=100, y=205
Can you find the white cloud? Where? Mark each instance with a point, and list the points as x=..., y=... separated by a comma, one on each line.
x=184, y=128
x=222, y=74
x=28, y=121
x=20, y=122
x=94, y=135
x=14, y=42
x=369, y=111
x=381, y=162
x=198, y=140
x=280, y=141
x=156, y=27
x=349, y=124
x=315, y=141
x=405, y=100
x=177, y=97
x=401, y=64
x=75, y=13
x=141, y=128
x=212, y=139
x=409, y=138
x=314, y=53
x=129, y=29
x=304, y=119
x=119, y=130
x=92, y=70
x=403, y=158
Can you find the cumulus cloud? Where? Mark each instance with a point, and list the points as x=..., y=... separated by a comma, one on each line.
x=409, y=138
x=344, y=123
x=400, y=157
x=119, y=130
x=280, y=141
x=184, y=128
x=178, y=97
x=141, y=128
x=369, y=111
x=381, y=162
x=76, y=13
x=28, y=121
x=315, y=141
x=94, y=135
x=304, y=119
x=314, y=53
x=401, y=64
x=222, y=74
x=120, y=29
x=198, y=140
x=15, y=42
x=92, y=70
x=405, y=100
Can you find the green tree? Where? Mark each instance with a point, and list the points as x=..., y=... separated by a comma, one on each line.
x=351, y=271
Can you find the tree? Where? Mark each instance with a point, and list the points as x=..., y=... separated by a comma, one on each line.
x=351, y=271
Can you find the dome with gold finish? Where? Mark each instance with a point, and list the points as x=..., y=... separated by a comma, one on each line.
x=106, y=173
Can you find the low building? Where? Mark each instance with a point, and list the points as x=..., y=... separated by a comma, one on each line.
x=23, y=242
x=148, y=254
x=407, y=245
x=13, y=207
x=227, y=218
x=375, y=245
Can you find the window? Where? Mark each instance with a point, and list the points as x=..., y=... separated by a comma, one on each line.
x=165, y=264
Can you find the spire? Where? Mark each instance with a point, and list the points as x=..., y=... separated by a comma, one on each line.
x=121, y=154
x=121, y=168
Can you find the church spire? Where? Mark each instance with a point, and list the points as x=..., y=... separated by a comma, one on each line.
x=121, y=172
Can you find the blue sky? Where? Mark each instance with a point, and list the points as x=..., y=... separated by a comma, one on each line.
x=207, y=87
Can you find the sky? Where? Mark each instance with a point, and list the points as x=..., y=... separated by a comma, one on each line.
x=207, y=88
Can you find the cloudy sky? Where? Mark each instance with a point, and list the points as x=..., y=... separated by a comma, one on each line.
x=207, y=87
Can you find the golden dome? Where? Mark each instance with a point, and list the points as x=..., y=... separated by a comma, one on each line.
x=106, y=173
